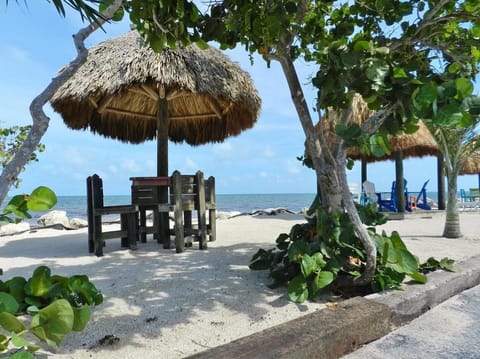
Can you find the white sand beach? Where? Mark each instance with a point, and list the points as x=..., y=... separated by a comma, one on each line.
x=159, y=304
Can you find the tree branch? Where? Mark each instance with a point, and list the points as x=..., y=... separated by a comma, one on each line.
x=39, y=118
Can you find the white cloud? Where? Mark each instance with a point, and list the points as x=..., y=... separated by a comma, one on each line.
x=222, y=149
x=293, y=167
x=151, y=165
x=112, y=169
x=74, y=156
x=130, y=165
x=269, y=152
x=190, y=165
x=16, y=54
x=263, y=174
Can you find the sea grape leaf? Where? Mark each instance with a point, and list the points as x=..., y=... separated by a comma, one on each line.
x=298, y=289
x=53, y=322
x=10, y=322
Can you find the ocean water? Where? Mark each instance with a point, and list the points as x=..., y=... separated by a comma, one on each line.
x=76, y=206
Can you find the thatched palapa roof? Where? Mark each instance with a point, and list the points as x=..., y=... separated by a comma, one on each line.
x=418, y=144
x=472, y=165
x=115, y=93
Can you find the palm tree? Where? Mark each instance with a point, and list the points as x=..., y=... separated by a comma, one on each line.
x=456, y=144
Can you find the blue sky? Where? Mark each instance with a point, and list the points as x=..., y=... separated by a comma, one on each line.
x=36, y=42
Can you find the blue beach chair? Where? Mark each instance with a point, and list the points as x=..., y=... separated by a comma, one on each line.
x=421, y=200
x=390, y=204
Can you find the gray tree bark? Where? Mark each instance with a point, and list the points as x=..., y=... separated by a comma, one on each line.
x=330, y=169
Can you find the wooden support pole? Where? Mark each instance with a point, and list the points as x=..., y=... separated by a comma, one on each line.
x=399, y=190
x=440, y=183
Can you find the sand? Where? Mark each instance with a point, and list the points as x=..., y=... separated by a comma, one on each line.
x=159, y=304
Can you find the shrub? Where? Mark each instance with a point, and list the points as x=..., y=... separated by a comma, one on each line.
x=56, y=306
x=316, y=255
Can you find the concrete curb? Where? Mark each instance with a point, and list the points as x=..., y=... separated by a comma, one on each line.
x=416, y=299
x=336, y=331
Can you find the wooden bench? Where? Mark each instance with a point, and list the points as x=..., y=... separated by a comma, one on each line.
x=96, y=209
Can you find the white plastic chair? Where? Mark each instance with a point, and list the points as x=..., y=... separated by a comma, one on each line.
x=369, y=194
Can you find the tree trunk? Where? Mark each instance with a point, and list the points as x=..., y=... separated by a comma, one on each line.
x=452, y=219
x=349, y=204
x=330, y=170
x=39, y=118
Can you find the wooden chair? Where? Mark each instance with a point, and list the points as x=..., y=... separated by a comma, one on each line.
x=149, y=193
x=96, y=209
x=192, y=193
x=187, y=193
x=211, y=207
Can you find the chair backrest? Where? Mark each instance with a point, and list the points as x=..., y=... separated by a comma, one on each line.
x=370, y=194
x=210, y=199
x=474, y=193
x=94, y=192
x=463, y=195
x=189, y=189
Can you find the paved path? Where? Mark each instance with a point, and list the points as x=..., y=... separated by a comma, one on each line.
x=450, y=330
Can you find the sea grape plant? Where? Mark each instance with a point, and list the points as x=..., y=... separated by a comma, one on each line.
x=56, y=306
x=41, y=199
x=321, y=253
x=11, y=139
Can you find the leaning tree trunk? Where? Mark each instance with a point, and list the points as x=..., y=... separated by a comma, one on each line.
x=330, y=171
x=452, y=219
x=39, y=118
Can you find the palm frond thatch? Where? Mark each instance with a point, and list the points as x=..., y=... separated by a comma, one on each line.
x=472, y=165
x=115, y=93
x=419, y=144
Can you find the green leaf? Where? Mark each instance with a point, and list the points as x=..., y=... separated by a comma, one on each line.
x=418, y=277
x=10, y=322
x=450, y=115
x=426, y=95
x=297, y=250
x=397, y=241
x=360, y=46
x=378, y=145
x=22, y=355
x=405, y=263
x=39, y=284
x=41, y=199
x=464, y=87
x=318, y=258
x=8, y=303
x=321, y=280
x=53, y=322
x=17, y=206
x=16, y=287
x=447, y=264
x=298, y=289
x=308, y=265
x=377, y=71
x=81, y=318
x=399, y=73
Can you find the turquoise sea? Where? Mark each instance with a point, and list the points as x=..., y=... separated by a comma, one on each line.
x=76, y=206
